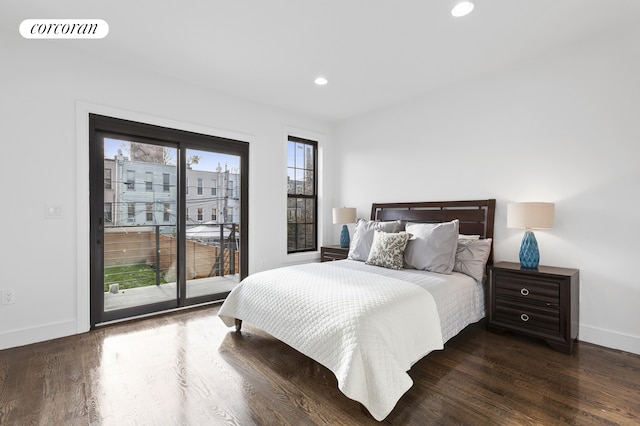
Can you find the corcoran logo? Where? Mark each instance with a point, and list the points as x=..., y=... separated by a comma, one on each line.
x=64, y=28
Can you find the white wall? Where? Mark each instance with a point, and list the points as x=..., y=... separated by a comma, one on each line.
x=46, y=91
x=564, y=128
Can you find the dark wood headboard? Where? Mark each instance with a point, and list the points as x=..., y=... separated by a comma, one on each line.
x=476, y=216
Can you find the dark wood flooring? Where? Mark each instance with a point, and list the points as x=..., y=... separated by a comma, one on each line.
x=187, y=368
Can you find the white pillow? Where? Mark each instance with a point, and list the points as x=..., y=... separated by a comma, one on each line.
x=432, y=247
x=387, y=249
x=363, y=236
x=472, y=256
x=468, y=237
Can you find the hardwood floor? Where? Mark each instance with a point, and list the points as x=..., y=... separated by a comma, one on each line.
x=187, y=368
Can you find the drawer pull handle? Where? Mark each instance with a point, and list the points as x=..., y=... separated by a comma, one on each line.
x=524, y=292
x=524, y=317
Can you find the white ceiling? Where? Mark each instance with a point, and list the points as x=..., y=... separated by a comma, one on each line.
x=373, y=52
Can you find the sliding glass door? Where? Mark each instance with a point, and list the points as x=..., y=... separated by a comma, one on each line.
x=140, y=224
x=168, y=218
x=213, y=220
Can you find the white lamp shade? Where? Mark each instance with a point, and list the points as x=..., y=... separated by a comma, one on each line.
x=530, y=215
x=344, y=215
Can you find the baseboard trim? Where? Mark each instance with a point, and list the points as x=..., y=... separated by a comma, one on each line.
x=610, y=339
x=27, y=336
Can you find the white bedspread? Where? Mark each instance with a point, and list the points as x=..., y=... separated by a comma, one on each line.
x=361, y=322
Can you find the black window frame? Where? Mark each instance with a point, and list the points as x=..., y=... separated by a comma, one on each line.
x=294, y=196
x=101, y=127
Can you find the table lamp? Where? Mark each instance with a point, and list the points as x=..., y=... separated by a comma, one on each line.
x=344, y=215
x=529, y=216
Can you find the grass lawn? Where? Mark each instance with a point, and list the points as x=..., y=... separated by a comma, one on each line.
x=131, y=276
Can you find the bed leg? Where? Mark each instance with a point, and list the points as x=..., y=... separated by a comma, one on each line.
x=238, y=325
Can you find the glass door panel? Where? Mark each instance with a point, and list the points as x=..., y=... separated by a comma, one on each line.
x=140, y=224
x=169, y=214
x=212, y=211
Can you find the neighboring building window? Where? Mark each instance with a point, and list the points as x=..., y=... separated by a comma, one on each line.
x=214, y=184
x=131, y=179
x=148, y=182
x=167, y=216
x=131, y=212
x=187, y=187
x=165, y=182
x=108, y=212
x=214, y=215
x=199, y=214
x=107, y=178
x=149, y=212
x=199, y=186
x=302, y=196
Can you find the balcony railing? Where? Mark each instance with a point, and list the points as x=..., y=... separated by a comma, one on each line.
x=138, y=256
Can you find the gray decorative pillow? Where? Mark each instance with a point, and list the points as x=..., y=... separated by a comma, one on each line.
x=363, y=236
x=472, y=256
x=387, y=249
x=432, y=247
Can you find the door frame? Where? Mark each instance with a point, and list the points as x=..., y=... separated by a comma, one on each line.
x=83, y=241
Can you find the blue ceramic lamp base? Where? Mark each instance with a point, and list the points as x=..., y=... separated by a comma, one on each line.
x=344, y=237
x=529, y=254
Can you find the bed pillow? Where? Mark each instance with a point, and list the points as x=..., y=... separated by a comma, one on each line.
x=432, y=247
x=472, y=256
x=363, y=236
x=387, y=249
x=468, y=237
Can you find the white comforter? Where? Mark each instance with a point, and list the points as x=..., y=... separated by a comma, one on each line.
x=361, y=322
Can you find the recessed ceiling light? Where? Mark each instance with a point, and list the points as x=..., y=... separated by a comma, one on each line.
x=462, y=9
x=320, y=81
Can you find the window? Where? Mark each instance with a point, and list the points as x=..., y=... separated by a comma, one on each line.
x=107, y=178
x=153, y=216
x=108, y=212
x=148, y=181
x=165, y=182
x=186, y=190
x=131, y=179
x=214, y=183
x=302, y=196
x=214, y=215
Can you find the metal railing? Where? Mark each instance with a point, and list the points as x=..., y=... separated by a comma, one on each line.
x=136, y=256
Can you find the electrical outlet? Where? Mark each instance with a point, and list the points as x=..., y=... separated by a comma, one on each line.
x=8, y=297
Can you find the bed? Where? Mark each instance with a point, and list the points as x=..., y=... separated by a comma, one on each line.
x=413, y=280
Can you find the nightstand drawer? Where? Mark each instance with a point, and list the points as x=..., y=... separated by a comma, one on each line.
x=527, y=290
x=527, y=315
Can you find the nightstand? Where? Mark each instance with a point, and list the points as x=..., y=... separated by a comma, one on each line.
x=330, y=253
x=540, y=302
